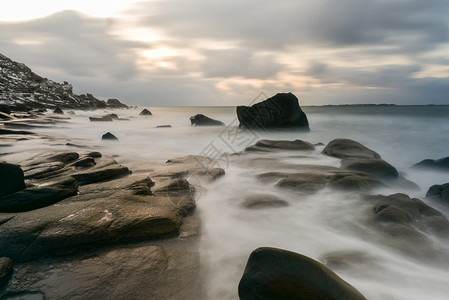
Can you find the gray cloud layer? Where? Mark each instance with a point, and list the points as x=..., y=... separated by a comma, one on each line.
x=350, y=51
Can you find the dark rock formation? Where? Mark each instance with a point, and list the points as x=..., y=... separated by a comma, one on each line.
x=11, y=179
x=263, y=201
x=279, y=274
x=25, y=295
x=109, y=136
x=346, y=148
x=441, y=164
x=58, y=111
x=439, y=192
x=282, y=111
x=202, y=120
x=5, y=270
x=145, y=112
x=407, y=221
x=163, y=126
x=270, y=145
x=23, y=90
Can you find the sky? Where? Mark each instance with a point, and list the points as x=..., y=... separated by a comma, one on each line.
x=199, y=52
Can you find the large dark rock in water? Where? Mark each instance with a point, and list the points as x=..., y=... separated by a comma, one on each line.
x=279, y=274
x=11, y=179
x=202, y=120
x=346, y=148
x=441, y=164
x=439, y=192
x=145, y=112
x=109, y=136
x=278, y=112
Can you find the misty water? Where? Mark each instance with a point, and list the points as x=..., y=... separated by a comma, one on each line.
x=317, y=225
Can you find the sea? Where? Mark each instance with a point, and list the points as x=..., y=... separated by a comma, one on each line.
x=321, y=225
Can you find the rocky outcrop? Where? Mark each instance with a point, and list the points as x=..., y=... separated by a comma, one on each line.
x=375, y=167
x=11, y=179
x=408, y=222
x=346, y=148
x=23, y=90
x=282, y=111
x=439, y=192
x=441, y=164
x=115, y=103
x=202, y=120
x=270, y=145
x=279, y=274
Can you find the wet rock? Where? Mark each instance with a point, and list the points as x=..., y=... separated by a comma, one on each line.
x=58, y=111
x=282, y=111
x=262, y=201
x=354, y=182
x=270, y=145
x=100, y=119
x=24, y=295
x=439, y=192
x=279, y=274
x=6, y=265
x=112, y=116
x=109, y=136
x=202, y=120
x=11, y=179
x=39, y=196
x=304, y=182
x=408, y=221
x=101, y=174
x=374, y=167
x=163, y=126
x=441, y=164
x=145, y=112
x=5, y=116
x=346, y=148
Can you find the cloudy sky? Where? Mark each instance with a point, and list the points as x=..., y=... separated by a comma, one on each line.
x=200, y=52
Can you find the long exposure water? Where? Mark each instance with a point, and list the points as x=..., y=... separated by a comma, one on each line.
x=317, y=225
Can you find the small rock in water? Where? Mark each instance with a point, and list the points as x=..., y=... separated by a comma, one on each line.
x=100, y=119
x=263, y=201
x=145, y=112
x=58, y=110
x=346, y=148
x=163, y=126
x=202, y=120
x=441, y=164
x=109, y=136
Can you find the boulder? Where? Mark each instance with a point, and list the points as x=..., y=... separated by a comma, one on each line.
x=145, y=112
x=5, y=270
x=439, y=192
x=346, y=148
x=112, y=116
x=270, y=145
x=282, y=111
x=109, y=136
x=202, y=120
x=260, y=201
x=279, y=274
x=58, y=111
x=11, y=179
x=375, y=167
x=441, y=164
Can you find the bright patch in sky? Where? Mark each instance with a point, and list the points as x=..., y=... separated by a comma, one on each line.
x=19, y=10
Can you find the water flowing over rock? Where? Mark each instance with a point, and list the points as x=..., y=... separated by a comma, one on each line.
x=202, y=120
x=282, y=111
x=270, y=145
x=279, y=274
x=441, y=164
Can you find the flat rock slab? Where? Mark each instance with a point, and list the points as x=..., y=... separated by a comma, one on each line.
x=263, y=201
x=271, y=145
